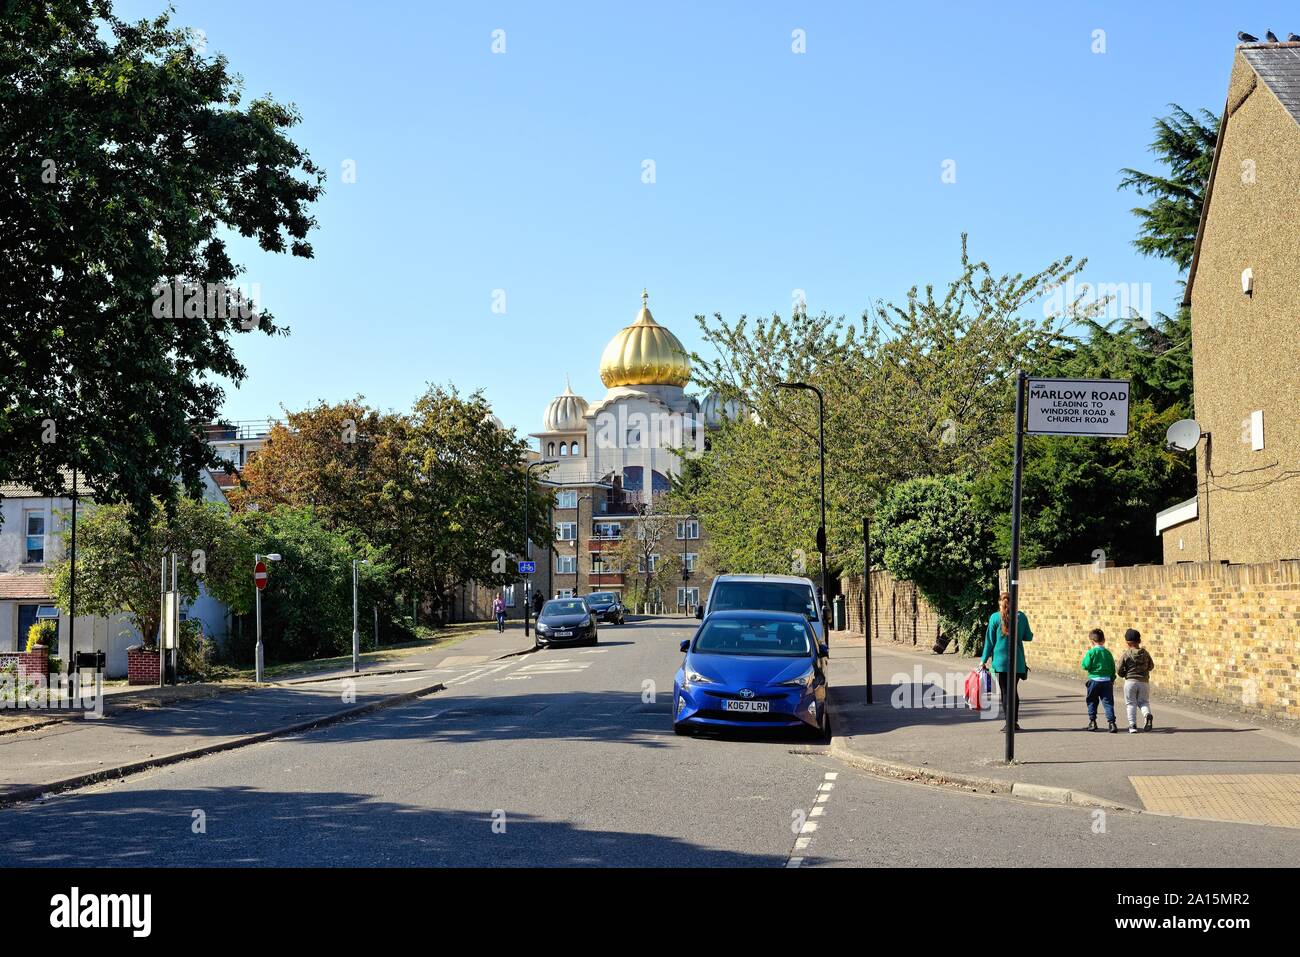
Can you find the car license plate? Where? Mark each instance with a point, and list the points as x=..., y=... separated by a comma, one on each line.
x=564, y=634
x=747, y=706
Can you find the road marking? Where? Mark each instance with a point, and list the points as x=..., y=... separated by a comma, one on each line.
x=809, y=827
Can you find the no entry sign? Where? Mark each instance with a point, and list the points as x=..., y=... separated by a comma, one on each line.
x=259, y=575
x=1078, y=407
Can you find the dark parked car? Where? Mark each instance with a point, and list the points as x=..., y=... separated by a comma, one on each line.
x=606, y=606
x=564, y=621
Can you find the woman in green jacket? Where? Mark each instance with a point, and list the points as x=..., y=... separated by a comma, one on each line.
x=997, y=646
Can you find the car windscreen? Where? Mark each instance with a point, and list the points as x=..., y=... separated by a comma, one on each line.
x=601, y=598
x=793, y=597
x=564, y=608
x=753, y=636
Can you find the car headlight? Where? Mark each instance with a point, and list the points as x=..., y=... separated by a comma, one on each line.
x=695, y=678
x=805, y=680
x=542, y=629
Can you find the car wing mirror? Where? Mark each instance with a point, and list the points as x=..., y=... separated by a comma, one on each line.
x=824, y=650
x=685, y=645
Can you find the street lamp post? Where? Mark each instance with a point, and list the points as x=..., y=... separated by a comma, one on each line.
x=528, y=551
x=686, y=572
x=257, y=656
x=356, y=634
x=821, y=449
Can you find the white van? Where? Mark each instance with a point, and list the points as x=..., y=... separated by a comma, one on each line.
x=766, y=593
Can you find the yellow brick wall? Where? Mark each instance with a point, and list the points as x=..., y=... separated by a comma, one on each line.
x=1229, y=634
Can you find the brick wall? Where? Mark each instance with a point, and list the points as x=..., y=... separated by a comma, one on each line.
x=141, y=665
x=898, y=612
x=1229, y=634
x=30, y=664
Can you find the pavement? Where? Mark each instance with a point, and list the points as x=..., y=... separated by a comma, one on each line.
x=1194, y=763
x=566, y=757
x=151, y=727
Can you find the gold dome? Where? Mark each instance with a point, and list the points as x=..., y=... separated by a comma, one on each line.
x=645, y=353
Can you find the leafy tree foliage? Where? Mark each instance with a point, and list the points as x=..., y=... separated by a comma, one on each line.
x=915, y=389
x=932, y=532
x=307, y=604
x=1184, y=143
x=119, y=565
x=126, y=157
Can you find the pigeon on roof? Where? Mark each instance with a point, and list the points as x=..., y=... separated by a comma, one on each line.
x=1271, y=37
x=1247, y=38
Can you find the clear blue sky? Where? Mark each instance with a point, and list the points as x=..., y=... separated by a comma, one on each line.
x=774, y=171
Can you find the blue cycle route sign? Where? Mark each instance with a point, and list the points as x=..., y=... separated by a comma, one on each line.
x=527, y=568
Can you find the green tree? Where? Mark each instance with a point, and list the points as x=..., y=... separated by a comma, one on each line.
x=119, y=563
x=918, y=389
x=930, y=531
x=307, y=604
x=1184, y=144
x=463, y=496
x=126, y=159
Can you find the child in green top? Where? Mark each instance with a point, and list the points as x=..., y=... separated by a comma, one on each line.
x=1100, y=665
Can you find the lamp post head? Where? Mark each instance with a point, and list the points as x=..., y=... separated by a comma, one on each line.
x=273, y=557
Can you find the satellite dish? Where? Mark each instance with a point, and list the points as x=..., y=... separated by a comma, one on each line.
x=1183, y=435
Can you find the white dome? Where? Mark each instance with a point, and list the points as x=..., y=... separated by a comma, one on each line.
x=566, y=411
x=492, y=420
x=715, y=410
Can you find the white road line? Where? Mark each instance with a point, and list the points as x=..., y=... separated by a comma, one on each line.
x=809, y=826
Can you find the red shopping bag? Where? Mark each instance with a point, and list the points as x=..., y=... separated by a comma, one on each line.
x=975, y=689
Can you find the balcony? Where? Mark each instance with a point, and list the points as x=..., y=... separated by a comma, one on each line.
x=605, y=578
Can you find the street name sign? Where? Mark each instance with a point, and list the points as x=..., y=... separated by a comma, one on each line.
x=527, y=568
x=1078, y=407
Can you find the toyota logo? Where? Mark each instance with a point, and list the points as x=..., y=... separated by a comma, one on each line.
x=746, y=693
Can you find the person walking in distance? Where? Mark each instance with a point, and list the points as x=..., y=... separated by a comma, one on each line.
x=997, y=647
x=499, y=612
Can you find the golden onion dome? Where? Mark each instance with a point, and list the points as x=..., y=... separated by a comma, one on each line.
x=645, y=353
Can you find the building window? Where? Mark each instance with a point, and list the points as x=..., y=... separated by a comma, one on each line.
x=508, y=593
x=566, y=564
x=688, y=597
x=573, y=449
x=564, y=449
x=607, y=530
x=35, y=546
x=603, y=566
x=688, y=529
x=564, y=593
x=689, y=559
x=654, y=564
x=568, y=499
x=565, y=531
x=550, y=450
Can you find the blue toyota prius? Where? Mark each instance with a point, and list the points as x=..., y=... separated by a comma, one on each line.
x=751, y=669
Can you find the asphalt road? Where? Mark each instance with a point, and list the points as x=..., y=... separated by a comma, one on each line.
x=566, y=757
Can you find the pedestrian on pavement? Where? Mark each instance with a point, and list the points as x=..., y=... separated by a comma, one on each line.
x=1100, y=665
x=1135, y=667
x=499, y=610
x=538, y=602
x=997, y=646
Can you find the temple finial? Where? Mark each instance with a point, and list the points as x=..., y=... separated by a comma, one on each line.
x=645, y=298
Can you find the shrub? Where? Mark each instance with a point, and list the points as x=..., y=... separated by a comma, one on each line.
x=44, y=632
x=196, y=651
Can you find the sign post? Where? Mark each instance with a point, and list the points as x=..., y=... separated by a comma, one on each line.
x=1088, y=407
x=866, y=599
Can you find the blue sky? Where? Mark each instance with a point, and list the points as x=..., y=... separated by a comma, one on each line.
x=774, y=171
